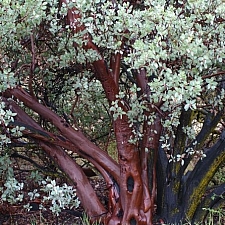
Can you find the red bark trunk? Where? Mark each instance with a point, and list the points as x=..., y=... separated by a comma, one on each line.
x=132, y=193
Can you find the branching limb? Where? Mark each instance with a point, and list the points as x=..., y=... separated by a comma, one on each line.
x=150, y=143
x=115, y=66
x=40, y=167
x=102, y=72
x=199, y=178
x=32, y=67
x=142, y=82
x=74, y=135
x=85, y=192
x=211, y=201
x=213, y=75
x=209, y=125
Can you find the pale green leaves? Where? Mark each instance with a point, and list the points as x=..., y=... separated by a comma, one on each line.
x=117, y=110
x=211, y=84
x=7, y=79
x=59, y=196
x=17, y=131
x=33, y=195
x=175, y=89
x=6, y=116
x=12, y=191
x=4, y=140
x=19, y=18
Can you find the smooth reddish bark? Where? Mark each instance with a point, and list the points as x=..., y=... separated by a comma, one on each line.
x=48, y=142
x=74, y=135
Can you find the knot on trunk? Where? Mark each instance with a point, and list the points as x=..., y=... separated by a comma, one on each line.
x=130, y=184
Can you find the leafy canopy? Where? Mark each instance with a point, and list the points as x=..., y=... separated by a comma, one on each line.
x=179, y=44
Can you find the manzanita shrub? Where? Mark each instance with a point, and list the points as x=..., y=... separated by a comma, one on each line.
x=76, y=75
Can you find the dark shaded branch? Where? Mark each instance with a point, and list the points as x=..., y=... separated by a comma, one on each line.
x=128, y=74
x=30, y=129
x=209, y=125
x=213, y=75
x=185, y=120
x=32, y=67
x=174, y=169
x=162, y=165
x=198, y=180
x=210, y=201
x=40, y=167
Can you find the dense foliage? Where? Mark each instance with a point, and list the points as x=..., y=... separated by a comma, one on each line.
x=77, y=76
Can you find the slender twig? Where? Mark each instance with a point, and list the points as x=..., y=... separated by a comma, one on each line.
x=28, y=159
x=213, y=75
x=32, y=67
x=74, y=104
